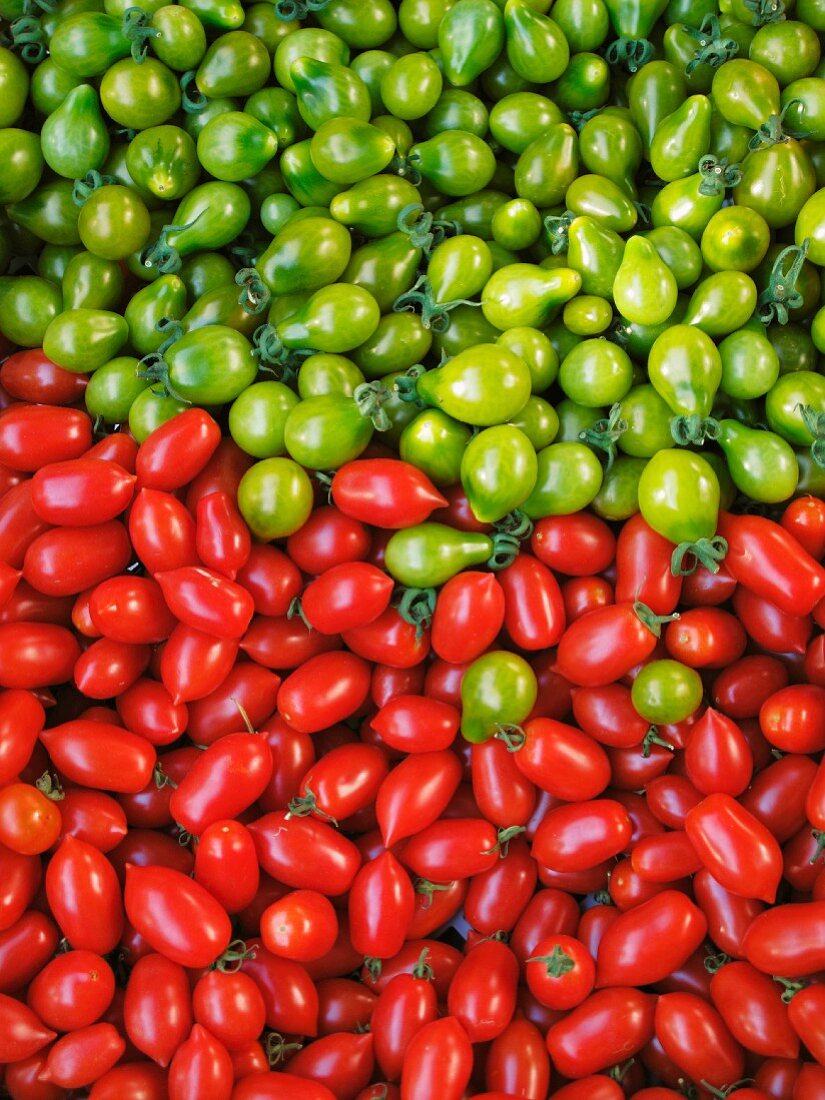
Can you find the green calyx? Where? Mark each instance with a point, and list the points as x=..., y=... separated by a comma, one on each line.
x=556, y=227
x=711, y=48
x=154, y=368
x=506, y=548
x=515, y=523
x=255, y=295
x=434, y=315
x=28, y=40
x=717, y=175
x=688, y=556
x=629, y=53
x=765, y=11
x=370, y=398
x=606, y=433
x=307, y=804
x=557, y=963
x=90, y=183
x=424, y=230
x=782, y=294
x=503, y=838
x=289, y=10
x=416, y=606
x=233, y=958
x=136, y=30
x=648, y=618
x=694, y=430
x=193, y=101
x=512, y=737
x=652, y=738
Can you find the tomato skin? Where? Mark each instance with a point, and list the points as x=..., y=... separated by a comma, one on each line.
x=300, y=925
x=343, y=1062
x=442, y=959
x=107, y=668
x=643, y=568
x=305, y=853
x=227, y=865
x=68, y=560
x=84, y=896
x=451, y=849
x=225, y=780
x=21, y=720
x=146, y=708
x=735, y=847
x=787, y=940
x=216, y=714
x=706, y=637
x=562, y=760
x=534, y=614
x=344, y=1005
x=695, y=1037
x=35, y=435
x=438, y=1061
x=72, y=991
x=416, y=723
x=548, y=913
x=671, y=920
x=292, y=753
x=119, y=447
x=222, y=473
x=717, y=755
x=290, y=996
x=193, y=664
x=157, y=1009
x=222, y=538
x=346, y=596
x=469, y=613
x=19, y=879
x=769, y=626
x=284, y=643
x=583, y=594
x=345, y=780
x=381, y=904
x=175, y=915
x=517, y=1062
x=777, y=796
x=271, y=578
x=29, y=375
x=177, y=451
x=100, y=754
x=769, y=561
x=603, y=646
x=810, y=1083
x=389, y=639
x=387, y=682
x=497, y=898
x=35, y=654
x=131, y=1081
x=131, y=609
x=415, y=793
x=201, y=1066
x=482, y=994
x=230, y=1006
x=162, y=531
x=328, y=538
x=207, y=601
x=793, y=718
x=20, y=525
x=503, y=794
x=670, y=798
x=740, y=690
x=328, y=688
x=610, y=1026
x=665, y=857
x=82, y=492
x=406, y=1005
x=560, y=972
x=385, y=492
x=580, y=835
x=25, y=948
x=575, y=545
x=433, y=908
x=280, y=1086
x=804, y=518
x=608, y=715
x=751, y=1005
x=591, y=1088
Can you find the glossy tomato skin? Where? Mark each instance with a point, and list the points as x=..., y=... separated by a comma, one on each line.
x=669, y=919
x=706, y=637
x=604, y=645
x=207, y=601
x=482, y=994
x=562, y=760
x=344, y=1005
x=608, y=715
x=497, y=898
x=740, y=690
x=73, y=990
x=83, y=1055
x=222, y=473
x=389, y=639
x=416, y=723
x=670, y=798
x=769, y=626
x=293, y=753
x=696, y=1038
x=85, y=896
x=534, y=615
x=177, y=916
x=503, y=794
x=803, y=518
x=343, y=1062
x=751, y=1005
x=271, y=578
x=29, y=375
x=346, y=596
x=787, y=940
x=300, y=925
x=222, y=538
x=385, y=492
x=290, y=996
x=36, y=654
x=575, y=545
x=735, y=847
x=469, y=613
x=230, y=1006
x=328, y=538
x=21, y=720
x=560, y=972
x=217, y=714
x=610, y=1026
x=35, y=435
x=305, y=853
x=518, y=1063
x=225, y=780
x=25, y=948
x=381, y=904
x=415, y=793
x=176, y=452
x=548, y=913
x=451, y=849
x=717, y=755
x=201, y=1066
x=68, y=560
x=82, y=492
x=326, y=689
x=146, y=708
x=793, y=718
x=157, y=1010
x=777, y=796
x=131, y=1081
x=580, y=835
x=643, y=570
x=131, y=609
x=193, y=664
x=345, y=780
x=20, y=525
x=438, y=1061
x=100, y=754
x=406, y=1005
x=162, y=531
x=107, y=668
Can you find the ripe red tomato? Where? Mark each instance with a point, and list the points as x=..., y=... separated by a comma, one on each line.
x=225, y=780
x=497, y=898
x=201, y=1067
x=290, y=996
x=717, y=755
x=670, y=920
x=751, y=1005
x=72, y=991
x=35, y=435
x=131, y=1081
x=67, y=560
x=230, y=1007
x=193, y=664
x=34, y=655
x=482, y=994
x=804, y=518
x=29, y=820
x=157, y=1009
x=328, y=688
x=560, y=972
x=162, y=531
x=385, y=492
x=389, y=639
x=20, y=525
x=29, y=375
x=451, y=849
x=146, y=708
x=131, y=609
x=302, y=925
x=177, y=451
x=407, y=1004
x=222, y=538
x=346, y=596
x=84, y=896
x=305, y=853
x=793, y=718
x=415, y=793
x=107, y=668
x=82, y=492
x=610, y=1026
x=579, y=836
x=227, y=865
x=342, y=1062
x=777, y=796
x=343, y=782
x=25, y=948
x=787, y=940
x=205, y=600
x=469, y=613
x=604, y=645
x=534, y=615
x=643, y=570
x=381, y=904
x=416, y=723
x=740, y=690
x=771, y=627
x=695, y=1037
x=577, y=544
x=328, y=538
x=100, y=754
x=438, y=1061
x=706, y=637
x=562, y=760
x=735, y=847
x=271, y=578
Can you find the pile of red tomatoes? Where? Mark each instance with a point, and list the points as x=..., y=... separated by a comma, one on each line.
x=269, y=831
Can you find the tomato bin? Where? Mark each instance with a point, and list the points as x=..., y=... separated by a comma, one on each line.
x=412, y=526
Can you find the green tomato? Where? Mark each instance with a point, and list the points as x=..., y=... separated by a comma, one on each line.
x=470, y=38
x=233, y=146
x=346, y=150
x=372, y=206
x=113, y=222
x=679, y=496
x=28, y=305
x=745, y=93
x=180, y=39
x=498, y=471
x=483, y=385
x=644, y=289
x=722, y=303
x=598, y=197
x=386, y=268
x=323, y=433
x=399, y=342
x=647, y=416
x=91, y=282
x=163, y=161
x=750, y=365
x=611, y=146
x=524, y=295
x=435, y=443
x=305, y=255
x=587, y=315
x=498, y=689
x=456, y=109
x=459, y=267
x=596, y=373
x=14, y=84
x=74, y=138
x=81, y=340
x=209, y=366
x=618, y=498
x=776, y=182
x=275, y=498
x=113, y=388
x=149, y=410
x=22, y=159
x=787, y=401
x=681, y=139
x=428, y=554
x=454, y=162
x=138, y=96
x=735, y=239
x=535, y=348
x=520, y=119
x=235, y=64
x=161, y=300
x=412, y=85
x=324, y=373
x=789, y=50
x=685, y=368
x=654, y=93
x=568, y=478
x=336, y=318
x=548, y=166
x=666, y=691
x=585, y=23
x=539, y=421
x=762, y=465
x=794, y=346
x=596, y=253
x=536, y=46
x=257, y=418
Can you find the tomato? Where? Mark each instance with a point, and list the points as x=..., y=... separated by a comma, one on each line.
x=67, y=560
x=301, y=925
x=560, y=972
x=85, y=896
x=344, y=1005
x=157, y=1010
x=35, y=654
x=607, y=714
x=29, y=820
x=605, y=644
x=769, y=626
x=576, y=545
x=194, y=664
x=230, y=1006
x=390, y=639
x=82, y=492
x=416, y=723
x=346, y=596
x=226, y=779
x=280, y=1086
x=415, y=793
x=406, y=1005
x=107, y=668
x=329, y=537
x=695, y=1037
x=381, y=904
x=534, y=616
x=293, y=753
x=451, y=849
x=717, y=755
x=31, y=376
x=610, y=1026
x=438, y=1061
x=751, y=1005
x=578, y=836
x=272, y=579
x=518, y=1061
x=740, y=690
x=177, y=451
x=796, y=951
x=26, y=946
x=100, y=754
x=497, y=898
x=735, y=847
x=177, y=916
x=130, y=1081
x=343, y=1062
x=21, y=719
x=469, y=613
x=343, y=782
x=227, y=865
x=345, y=681
x=162, y=531
x=669, y=917
x=305, y=853
x=35, y=435
x=201, y=1065
x=130, y=609
x=793, y=718
x=778, y=793
x=146, y=708
x=435, y=904
x=562, y=760
x=385, y=493
x=592, y=1088
x=290, y=997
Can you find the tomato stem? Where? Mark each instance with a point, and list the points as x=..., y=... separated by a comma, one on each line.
x=416, y=606
x=513, y=737
x=629, y=53
x=688, y=556
x=782, y=294
x=713, y=963
x=717, y=174
x=515, y=523
x=503, y=838
x=694, y=430
x=652, y=738
x=789, y=988
x=373, y=967
x=557, y=963
x=296, y=610
x=606, y=433
x=50, y=787
x=711, y=48
x=427, y=888
x=422, y=968
x=276, y=1047
x=819, y=837
x=234, y=957
x=306, y=805
x=648, y=617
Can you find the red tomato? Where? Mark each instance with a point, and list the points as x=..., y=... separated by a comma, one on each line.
x=442, y=959
x=804, y=518
x=770, y=626
x=502, y=793
x=443, y=681
x=389, y=639
x=29, y=820
x=591, y=1088
x=271, y=578
x=25, y=948
x=608, y=715
x=769, y=561
x=225, y=780
x=285, y=643
x=131, y=609
x=30, y=376
x=21, y=720
x=670, y=798
x=326, y=689
x=344, y=781
x=695, y=1037
x=451, y=849
x=84, y=896
x=20, y=525
x=482, y=994
x=19, y=879
x=385, y=492
x=230, y=1006
x=222, y=538
x=435, y=905
x=497, y=898
x=577, y=544
x=290, y=997
x=162, y=531
x=68, y=560
x=328, y=538
x=583, y=594
x=665, y=857
x=344, y=1005
x=99, y=754
x=292, y=755
x=227, y=865
x=207, y=601
x=814, y=663
x=35, y=435
x=562, y=760
x=146, y=708
x=107, y=668
x=193, y=664
x=36, y=654
x=788, y=940
x=736, y=848
x=342, y=1062
x=560, y=972
x=21, y=1032
x=469, y=613
x=610, y=1026
x=72, y=991
x=407, y=1004
x=246, y=689
x=119, y=447
x=346, y=596
x=201, y=1067
x=381, y=904
x=581, y=835
x=157, y=1010
x=9, y=579
x=751, y=1005
x=706, y=637
x=777, y=795
x=438, y=1062
x=517, y=1063
x=740, y=690
x=301, y=925
x=728, y=915
x=793, y=718
x=280, y=1086
x=643, y=570
x=717, y=755
x=222, y=473
x=177, y=451
x=534, y=614
x=82, y=492
x=549, y=913
x=175, y=915
x=387, y=682
x=604, y=645
x=131, y=1081
x=810, y=1084
x=670, y=920
x=628, y=888
x=82, y=1056
x=415, y=793
x=416, y=723
x=305, y=853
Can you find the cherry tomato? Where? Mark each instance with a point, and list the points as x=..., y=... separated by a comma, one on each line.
x=793, y=718
x=131, y=609
x=328, y=688
x=193, y=664
x=804, y=518
x=610, y=1026
x=227, y=865
x=751, y=1005
x=146, y=708
x=517, y=1063
x=302, y=925
x=706, y=637
x=740, y=690
x=290, y=997
x=583, y=594
x=157, y=1009
x=68, y=560
x=20, y=525
x=29, y=375
x=695, y=1037
x=735, y=847
x=342, y=1062
x=643, y=570
x=328, y=538
x=604, y=645
x=226, y=779
x=385, y=492
x=415, y=793
x=534, y=616
x=482, y=994
x=562, y=760
x=381, y=904
x=100, y=754
x=344, y=1005
x=344, y=781
x=406, y=1005
x=451, y=849
x=390, y=639
x=207, y=601
x=84, y=896
x=670, y=920
x=346, y=596
x=162, y=531
x=469, y=613
x=560, y=972
x=438, y=1061
x=131, y=1081
x=770, y=626
x=25, y=948
x=608, y=715
x=82, y=492
x=201, y=1066
x=34, y=655
x=230, y=1006
x=177, y=451
x=416, y=723
x=778, y=792
x=787, y=940
x=581, y=835
x=577, y=544
x=29, y=820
